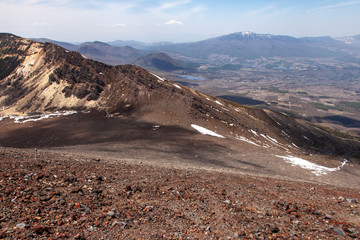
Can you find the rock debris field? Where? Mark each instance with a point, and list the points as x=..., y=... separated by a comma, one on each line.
x=49, y=195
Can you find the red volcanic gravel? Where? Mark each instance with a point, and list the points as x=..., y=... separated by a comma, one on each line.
x=47, y=195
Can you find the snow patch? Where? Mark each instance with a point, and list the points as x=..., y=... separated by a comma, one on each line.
x=205, y=131
x=156, y=127
x=244, y=139
x=306, y=137
x=318, y=170
x=272, y=139
x=38, y=117
x=2, y=118
x=294, y=145
x=160, y=78
x=175, y=85
x=269, y=138
x=254, y=132
x=220, y=103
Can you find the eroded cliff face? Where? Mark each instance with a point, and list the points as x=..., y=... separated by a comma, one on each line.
x=35, y=80
x=38, y=77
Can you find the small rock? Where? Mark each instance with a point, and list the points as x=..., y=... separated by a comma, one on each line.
x=352, y=200
x=110, y=213
x=115, y=223
x=124, y=224
x=21, y=225
x=340, y=232
x=3, y=235
x=352, y=230
x=148, y=209
x=84, y=208
x=79, y=236
x=274, y=229
x=39, y=229
x=292, y=233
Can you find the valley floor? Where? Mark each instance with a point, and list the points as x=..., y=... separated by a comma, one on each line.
x=53, y=195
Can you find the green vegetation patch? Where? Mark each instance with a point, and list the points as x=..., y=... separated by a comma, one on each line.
x=302, y=92
x=277, y=90
x=337, y=133
x=354, y=105
x=243, y=100
x=322, y=106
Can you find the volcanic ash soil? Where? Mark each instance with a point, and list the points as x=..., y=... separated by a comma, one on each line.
x=47, y=195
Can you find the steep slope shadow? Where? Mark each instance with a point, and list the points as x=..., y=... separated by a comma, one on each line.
x=125, y=137
x=243, y=100
x=341, y=120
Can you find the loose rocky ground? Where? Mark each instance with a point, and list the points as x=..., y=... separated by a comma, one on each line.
x=47, y=195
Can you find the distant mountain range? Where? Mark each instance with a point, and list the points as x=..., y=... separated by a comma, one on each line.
x=248, y=45
x=117, y=55
x=232, y=48
x=351, y=40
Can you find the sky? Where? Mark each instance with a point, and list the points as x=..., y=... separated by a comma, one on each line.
x=176, y=20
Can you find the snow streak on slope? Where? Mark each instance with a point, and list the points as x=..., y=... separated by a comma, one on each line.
x=34, y=118
x=314, y=168
x=205, y=131
x=160, y=78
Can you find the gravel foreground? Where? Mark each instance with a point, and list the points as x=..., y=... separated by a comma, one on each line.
x=47, y=195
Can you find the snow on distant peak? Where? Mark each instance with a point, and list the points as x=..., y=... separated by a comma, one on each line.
x=205, y=131
x=318, y=170
x=247, y=33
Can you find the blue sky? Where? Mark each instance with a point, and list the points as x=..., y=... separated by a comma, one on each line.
x=176, y=20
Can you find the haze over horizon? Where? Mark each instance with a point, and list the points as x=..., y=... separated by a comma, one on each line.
x=175, y=20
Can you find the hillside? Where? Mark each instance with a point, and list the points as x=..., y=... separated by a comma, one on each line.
x=91, y=150
x=86, y=105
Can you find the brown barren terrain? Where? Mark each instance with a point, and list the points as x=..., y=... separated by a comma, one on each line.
x=46, y=195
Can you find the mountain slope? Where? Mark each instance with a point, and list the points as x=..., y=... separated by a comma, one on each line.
x=162, y=61
x=118, y=52
x=44, y=78
x=248, y=45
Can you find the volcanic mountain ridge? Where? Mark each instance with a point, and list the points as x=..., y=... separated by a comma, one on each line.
x=42, y=78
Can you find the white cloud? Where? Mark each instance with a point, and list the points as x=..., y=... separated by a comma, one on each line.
x=173, y=4
x=335, y=6
x=173, y=22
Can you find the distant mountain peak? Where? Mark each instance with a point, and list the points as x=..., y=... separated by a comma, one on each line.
x=247, y=35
